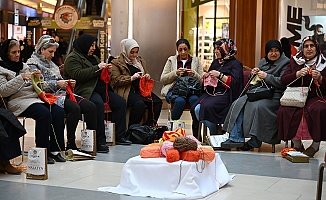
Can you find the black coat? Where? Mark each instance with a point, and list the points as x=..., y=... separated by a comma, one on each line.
x=10, y=132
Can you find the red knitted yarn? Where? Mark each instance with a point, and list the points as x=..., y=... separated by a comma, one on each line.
x=172, y=155
x=146, y=87
x=190, y=156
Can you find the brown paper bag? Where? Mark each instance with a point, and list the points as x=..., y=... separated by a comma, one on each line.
x=110, y=132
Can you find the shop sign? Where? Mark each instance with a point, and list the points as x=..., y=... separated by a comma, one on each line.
x=195, y=3
x=66, y=16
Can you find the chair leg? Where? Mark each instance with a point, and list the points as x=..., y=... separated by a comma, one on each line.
x=320, y=181
x=22, y=145
x=199, y=137
x=286, y=144
x=273, y=148
x=204, y=133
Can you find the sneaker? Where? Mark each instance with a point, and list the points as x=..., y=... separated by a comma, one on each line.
x=103, y=148
x=229, y=144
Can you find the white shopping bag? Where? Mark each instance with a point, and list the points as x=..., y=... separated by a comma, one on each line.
x=174, y=124
x=110, y=132
x=37, y=164
x=88, y=141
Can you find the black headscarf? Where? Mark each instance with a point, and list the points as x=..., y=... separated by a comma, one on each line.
x=6, y=62
x=82, y=44
x=272, y=44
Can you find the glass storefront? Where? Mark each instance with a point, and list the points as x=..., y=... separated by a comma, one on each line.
x=202, y=45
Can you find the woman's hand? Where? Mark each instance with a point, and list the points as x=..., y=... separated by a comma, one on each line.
x=37, y=73
x=316, y=75
x=104, y=65
x=180, y=71
x=255, y=71
x=147, y=76
x=62, y=83
x=214, y=73
x=136, y=76
x=190, y=72
x=26, y=76
x=302, y=72
x=262, y=74
x=72, y=82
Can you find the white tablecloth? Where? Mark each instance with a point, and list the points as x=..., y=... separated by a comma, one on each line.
x=155, y=177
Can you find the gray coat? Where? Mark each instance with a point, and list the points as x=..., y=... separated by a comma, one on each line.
x=260, y=116
x=21, y=94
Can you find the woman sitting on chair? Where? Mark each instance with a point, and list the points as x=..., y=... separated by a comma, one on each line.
x=179, y=66
x=127, y=70
x=54, y=83
x=308, y=66
x=213, y=105
x=15, y=83
x=257, y=119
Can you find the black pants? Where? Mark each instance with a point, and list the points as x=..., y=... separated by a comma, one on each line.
x=138, y=106
x=73, y=112
x=49, y=122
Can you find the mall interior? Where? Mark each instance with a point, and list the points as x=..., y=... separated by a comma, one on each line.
x=156, y=26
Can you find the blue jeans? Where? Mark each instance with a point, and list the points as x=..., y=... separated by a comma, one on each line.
x=236, y=134
x=179, y=104
x=211, y=126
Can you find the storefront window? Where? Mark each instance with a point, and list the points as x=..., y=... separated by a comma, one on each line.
x=202, y=45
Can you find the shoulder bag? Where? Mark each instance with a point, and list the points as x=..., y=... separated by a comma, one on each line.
x=295, y=96
x=261, y=92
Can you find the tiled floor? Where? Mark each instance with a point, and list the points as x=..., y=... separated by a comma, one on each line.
x=259, y=174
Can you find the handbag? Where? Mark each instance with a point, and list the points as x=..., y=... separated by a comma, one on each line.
x=261, y=92
x=184, y=86
x=295, y=96
x=141, y=134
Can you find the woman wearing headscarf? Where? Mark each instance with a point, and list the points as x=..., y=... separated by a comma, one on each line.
x=55, y=84
x=213, y=105
x=308, y=67
x=127, y=70
x=23, y=101
x=84, y=67
x=176, y=66
x=257, y=119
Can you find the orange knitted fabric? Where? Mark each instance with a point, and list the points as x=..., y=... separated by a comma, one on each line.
x=190, y=156
x=146, y=87
x=171, y=135
x=172, y=155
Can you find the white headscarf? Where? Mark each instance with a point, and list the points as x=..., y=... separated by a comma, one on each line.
x=126, y=46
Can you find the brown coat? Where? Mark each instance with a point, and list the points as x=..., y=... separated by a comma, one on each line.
x=121, y=77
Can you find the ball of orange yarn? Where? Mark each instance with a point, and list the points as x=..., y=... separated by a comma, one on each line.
x=172, y=155
x=184, y=144
x=151, y=151
x=206, y=154
x=285, y=150
x=190, y=156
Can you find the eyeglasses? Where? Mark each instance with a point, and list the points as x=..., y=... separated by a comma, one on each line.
x=306, y=46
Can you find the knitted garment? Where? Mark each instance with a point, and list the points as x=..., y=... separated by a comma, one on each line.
x=105, y=77
x=70, y=92
x=172, y=135
x=46, y=97
x=146, y=87
x=184, y=144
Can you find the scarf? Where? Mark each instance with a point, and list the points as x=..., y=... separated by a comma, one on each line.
x=82, y=44
x=272, y=44
x=319, y=59
x=228, y=50
x=6, y=62
x=126, y=46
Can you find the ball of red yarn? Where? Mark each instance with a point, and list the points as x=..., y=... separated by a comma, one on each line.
x=172, y=155
x=190, y=156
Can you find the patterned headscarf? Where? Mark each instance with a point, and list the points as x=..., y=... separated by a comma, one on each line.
x=228, y=50
x=45, y=41
x=319, y=59
x=126, y=46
